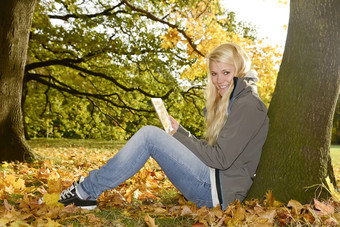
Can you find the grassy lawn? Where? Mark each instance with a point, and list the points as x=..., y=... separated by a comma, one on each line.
x=335, y=154
x=146, y=197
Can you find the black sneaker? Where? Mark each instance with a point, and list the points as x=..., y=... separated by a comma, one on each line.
x=69, y=196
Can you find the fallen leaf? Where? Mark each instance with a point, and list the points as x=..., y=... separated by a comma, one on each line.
x=268, y=215
x=51, y=223
x=220, y=222
x=323, y=208
x=174, y=210
x=198, y=225
x=337, y=216
x=54, y=183
x=149, y=221
x=186, y=211
x=159, y=210
x=269, y=198
x=7, y=206
x=239, y=213
x=334, y=193
x=72, y=209
x=296, y=205
x=331, y=222
x=52, y=200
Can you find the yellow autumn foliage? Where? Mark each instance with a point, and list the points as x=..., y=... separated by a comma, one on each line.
x=204, y=31
x=334, y=192
x=170, y=39
x=52, y=200
x=11, y=184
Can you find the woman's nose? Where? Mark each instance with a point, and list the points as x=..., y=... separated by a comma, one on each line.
x=219, y=78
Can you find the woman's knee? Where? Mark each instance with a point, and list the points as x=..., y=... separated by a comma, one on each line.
x=149, y=130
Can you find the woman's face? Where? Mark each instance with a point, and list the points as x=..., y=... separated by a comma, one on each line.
x=222, y=75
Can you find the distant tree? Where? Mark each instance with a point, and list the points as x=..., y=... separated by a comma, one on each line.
x=15, y=23
x=296, y=156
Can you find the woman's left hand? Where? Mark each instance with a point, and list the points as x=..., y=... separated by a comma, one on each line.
x=174, y=125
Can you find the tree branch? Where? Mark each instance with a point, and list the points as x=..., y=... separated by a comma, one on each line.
x=116, y=122
x=70, y=90
x=106, y=12
x=68, y=63
x=154, y=18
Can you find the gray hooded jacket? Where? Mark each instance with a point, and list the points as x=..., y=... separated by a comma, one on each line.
x=238, y=148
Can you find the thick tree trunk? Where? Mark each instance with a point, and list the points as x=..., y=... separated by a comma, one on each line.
x=296, y=158
x=15, y=23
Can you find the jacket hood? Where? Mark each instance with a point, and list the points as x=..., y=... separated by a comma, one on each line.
x=252, y=75
x=246, y=83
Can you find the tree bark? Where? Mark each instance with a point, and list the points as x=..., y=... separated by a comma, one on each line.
x=15, y=23
x=296, y=156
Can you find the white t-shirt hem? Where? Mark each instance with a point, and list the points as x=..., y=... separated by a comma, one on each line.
x=214, y=194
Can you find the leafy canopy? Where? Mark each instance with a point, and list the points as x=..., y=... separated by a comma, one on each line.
x=93, y=66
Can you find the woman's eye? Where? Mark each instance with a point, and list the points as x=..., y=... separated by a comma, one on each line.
x=213, y=74
x=226, y=73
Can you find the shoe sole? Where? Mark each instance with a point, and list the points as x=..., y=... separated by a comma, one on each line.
x=88, y=207
x=82, y=207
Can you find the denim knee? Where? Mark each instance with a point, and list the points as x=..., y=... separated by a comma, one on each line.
x=149, y=130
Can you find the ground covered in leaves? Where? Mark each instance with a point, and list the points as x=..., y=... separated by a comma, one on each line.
x=147, y=199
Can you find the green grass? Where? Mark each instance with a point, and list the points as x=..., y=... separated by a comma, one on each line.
x=70, y=143
x=335, y=154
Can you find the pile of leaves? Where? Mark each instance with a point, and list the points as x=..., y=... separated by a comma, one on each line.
x=147, y=199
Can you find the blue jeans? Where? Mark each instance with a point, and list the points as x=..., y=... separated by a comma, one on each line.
x=186, y=172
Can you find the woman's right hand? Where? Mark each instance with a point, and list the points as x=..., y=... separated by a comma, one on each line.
x=174, y=125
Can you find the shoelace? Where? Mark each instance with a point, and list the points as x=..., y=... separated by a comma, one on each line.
x=68, y=192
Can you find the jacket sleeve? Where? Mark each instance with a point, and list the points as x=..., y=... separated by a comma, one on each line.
x=245, y=120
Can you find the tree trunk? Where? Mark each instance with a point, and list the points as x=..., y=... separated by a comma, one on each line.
x=15, y=23
x=296, y=156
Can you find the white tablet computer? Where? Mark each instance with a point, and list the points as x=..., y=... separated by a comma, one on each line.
x=162, y=113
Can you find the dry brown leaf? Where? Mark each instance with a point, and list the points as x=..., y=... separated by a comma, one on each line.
x=337, y=216
x=147, y=195
x=250, y=219
x=323, y=209
x=269, y=215
x=113, y=197
x=159, y=210
x=205, y=211
x=129, y=193
x=175, y=210
x=7, y=206
x=72, y=209
x=309, y=217
x=149, y=221
x=239, y=213
x=269, y=198
x=186, y=211
x=198, y=225
x=220, y=222
x=331, y=222
x=296, y=205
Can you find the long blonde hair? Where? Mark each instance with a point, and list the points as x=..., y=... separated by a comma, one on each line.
x=217, y=106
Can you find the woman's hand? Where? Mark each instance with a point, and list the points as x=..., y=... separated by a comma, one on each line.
x=174, y=125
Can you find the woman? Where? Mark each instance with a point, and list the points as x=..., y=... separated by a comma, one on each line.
x=208, y=172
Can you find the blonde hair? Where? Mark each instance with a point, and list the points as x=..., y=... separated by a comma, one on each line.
x=217, y=106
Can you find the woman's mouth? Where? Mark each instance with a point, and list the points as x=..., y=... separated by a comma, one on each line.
x=223, y=86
